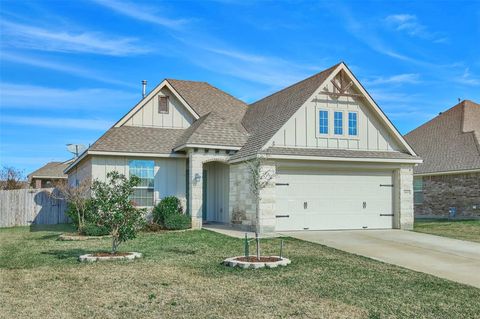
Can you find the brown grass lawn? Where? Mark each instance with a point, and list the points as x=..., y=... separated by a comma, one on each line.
x=181, y=277
x=464, y=229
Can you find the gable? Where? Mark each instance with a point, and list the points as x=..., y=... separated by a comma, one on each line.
x=374, y=131
x=149, y=114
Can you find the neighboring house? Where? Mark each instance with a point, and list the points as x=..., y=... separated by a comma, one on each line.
x=338, y=162
x=49, y=174
x=448, y=181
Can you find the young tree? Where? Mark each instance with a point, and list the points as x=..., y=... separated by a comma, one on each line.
x=259, y=179
x=11, y=178
x=75, y=195
x=115, y=209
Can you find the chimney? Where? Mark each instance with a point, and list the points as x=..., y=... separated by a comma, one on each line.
x=144, y=88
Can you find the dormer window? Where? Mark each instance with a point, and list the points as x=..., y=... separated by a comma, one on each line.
x=163, y=104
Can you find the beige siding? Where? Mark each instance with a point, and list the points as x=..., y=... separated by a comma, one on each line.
x=82, y=171
x=170, y=173
x=302, y=129
x=148, y=116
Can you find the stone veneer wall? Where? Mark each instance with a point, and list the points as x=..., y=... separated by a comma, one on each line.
x=440, y=192
x=243, y=203
x=403, y=198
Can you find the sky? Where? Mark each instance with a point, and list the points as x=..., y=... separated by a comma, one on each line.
x=70, y=69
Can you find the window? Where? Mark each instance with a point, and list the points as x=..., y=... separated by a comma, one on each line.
x=417, y=190
x=352, y=123
x=323, y=122
x=162, y=104
x=143, y=193
x=338, y=123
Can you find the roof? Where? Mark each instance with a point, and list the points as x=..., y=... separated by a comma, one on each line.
x=205, y=98
x=214, y=129
x=266, y=116
x=133, y=139
x=51, y=170
x=450, y=141
x=337, y=153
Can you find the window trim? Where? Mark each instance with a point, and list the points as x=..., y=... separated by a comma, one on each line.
x=328, y=122
x=342, y=126
x=159, y=97
x=356, y=122
x=417, y=190
x=144, y=187
x=331, y=120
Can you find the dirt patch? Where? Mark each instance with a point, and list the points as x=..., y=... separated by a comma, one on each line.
x=78, y=237
x=262, y=259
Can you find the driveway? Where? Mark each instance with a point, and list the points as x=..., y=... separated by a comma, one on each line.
x=443, y=257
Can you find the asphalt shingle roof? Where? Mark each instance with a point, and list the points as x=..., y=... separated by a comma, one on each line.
x=135, y=139
x=450, y=141
x=266, y=116
x=214, y=129
x=52, y=169
x=336, y=153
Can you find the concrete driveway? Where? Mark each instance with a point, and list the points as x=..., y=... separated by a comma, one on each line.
x=443, y=257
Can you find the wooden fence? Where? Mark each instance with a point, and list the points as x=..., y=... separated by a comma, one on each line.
x=24, y=207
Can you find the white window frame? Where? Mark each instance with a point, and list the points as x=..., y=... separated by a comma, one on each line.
x=348, y=123
x=343, y=123
x=318, y=122
x=417, y=190
x=160, y=96
x=331, y=123
x=144, y=187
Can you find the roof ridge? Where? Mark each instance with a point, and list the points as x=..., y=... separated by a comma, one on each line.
x=297, y=83
x=438, y=115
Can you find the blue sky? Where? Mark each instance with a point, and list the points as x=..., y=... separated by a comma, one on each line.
x=70, y=69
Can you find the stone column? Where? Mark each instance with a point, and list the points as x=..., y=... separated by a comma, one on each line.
x=266, y=203
x=195, y=200
x=404, y=213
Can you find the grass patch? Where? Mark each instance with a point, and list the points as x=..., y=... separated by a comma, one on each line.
x=458, y=229
x=180, y=276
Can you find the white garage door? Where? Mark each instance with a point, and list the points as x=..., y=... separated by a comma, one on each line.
x=318, y=200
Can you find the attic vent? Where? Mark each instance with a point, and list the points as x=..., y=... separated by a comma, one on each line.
x=163, y=104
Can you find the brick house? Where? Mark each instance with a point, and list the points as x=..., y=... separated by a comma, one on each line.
x=49, y=174
x=447, y=184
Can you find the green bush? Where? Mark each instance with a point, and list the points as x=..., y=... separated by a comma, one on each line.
x=91, y=229
x=167, y=207
x=90, y=214
x=177, y=221
x=169, y=214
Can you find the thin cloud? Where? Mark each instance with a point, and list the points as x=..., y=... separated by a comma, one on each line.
x=19, y=96
x=80, y=72
x=411, y=25
x=149, y=15
x=36, y=38
x=467, y=78
x=406, y=78
x=57, y=122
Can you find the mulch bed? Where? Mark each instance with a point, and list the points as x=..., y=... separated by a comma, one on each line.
x=108, y=254
x=262, y=259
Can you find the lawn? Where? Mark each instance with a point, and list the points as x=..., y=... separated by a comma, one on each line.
x=181, y=277
x=461, y=229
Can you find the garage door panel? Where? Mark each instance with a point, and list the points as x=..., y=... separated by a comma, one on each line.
x=334, y=200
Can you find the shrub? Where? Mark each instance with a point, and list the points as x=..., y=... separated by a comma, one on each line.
x=152, y=227
x=177, y=221
x=89, y=214
x=168, y=206
x=91, y=229
x=115, y=210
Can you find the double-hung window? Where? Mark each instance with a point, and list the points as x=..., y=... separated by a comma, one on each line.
x=338, y=123
x=323, y=122
x=417, y=190
x=352, y=124
x=143, y=193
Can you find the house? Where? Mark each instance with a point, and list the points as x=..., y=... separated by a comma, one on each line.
x=49, y=174
x=337, y=161
x=448, y=181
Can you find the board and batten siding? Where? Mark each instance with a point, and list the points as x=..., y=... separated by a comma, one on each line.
x=302, y=130
x=170, y=173
x=148, y=116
